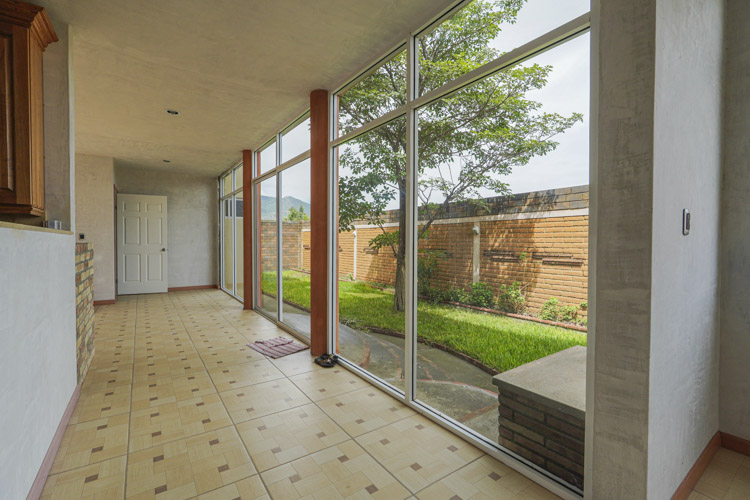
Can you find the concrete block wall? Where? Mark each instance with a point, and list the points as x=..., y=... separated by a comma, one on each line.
x=84, y=307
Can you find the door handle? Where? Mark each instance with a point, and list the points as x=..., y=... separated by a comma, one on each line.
x=163, y=249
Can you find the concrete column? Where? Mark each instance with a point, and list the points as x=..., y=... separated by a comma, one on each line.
x=248, y=226
x=319, y=199
x=655, y=142
x=475, y=252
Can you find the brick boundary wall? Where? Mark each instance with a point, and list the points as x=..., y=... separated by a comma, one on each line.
x=539, y=239
x=84, y=307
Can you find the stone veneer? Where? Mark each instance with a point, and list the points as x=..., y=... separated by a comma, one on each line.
x=542, y=412
x=84, y=307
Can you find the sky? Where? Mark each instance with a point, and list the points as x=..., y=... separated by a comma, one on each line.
x=567, y=91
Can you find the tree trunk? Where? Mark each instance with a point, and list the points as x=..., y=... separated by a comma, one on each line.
x=399, y=298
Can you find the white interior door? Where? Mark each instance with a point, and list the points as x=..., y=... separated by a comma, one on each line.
x=141, y=244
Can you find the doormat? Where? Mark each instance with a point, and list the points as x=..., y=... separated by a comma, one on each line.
x=278, y=347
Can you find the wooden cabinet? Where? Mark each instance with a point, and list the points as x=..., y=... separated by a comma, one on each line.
x=25, y=31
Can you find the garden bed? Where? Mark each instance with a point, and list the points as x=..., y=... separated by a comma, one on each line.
x=493, y=341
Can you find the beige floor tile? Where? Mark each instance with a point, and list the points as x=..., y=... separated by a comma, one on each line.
x=243, y=374
x=177, y=365
x=95, y=404
x=715, y=480
x=171, y=421
x=188, y=467
x=164, y=390
x=536, y=492
x=103, y=480
x=738, y=490
x=255, y=401
x=225, y=356
x=364, y=410
x=106, y=378
x=341, y=471
x=322, y=384
x=286, y=436
x=417, y=451
x=483, y=479
x=90, y=442
x=294, y=364
x=250, y=488
x=694, y=495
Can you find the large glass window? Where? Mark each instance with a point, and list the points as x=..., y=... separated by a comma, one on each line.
x=517, y=131
x=282, y=235
x=231, y=231
x=461, y=254
x=371, y=253
x=267, y=241
x=295, y=246
x=381, y=90
x=295, y=140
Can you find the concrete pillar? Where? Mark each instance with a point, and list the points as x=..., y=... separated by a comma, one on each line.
x=319, y=198
x=652, y=361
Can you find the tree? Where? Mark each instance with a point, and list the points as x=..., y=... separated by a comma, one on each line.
x=468, y=140
x=295, y=214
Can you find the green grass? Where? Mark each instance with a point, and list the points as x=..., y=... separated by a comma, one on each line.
x=498, y=342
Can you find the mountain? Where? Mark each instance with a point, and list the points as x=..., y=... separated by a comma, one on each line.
x=268, y=206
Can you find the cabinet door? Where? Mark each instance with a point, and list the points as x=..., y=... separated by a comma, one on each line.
x=6, y=113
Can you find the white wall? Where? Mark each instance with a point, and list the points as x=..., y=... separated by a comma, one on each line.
x=38, y=355
x=684, y=364
x=735, y=255
x=95, y=215
x=192, y=209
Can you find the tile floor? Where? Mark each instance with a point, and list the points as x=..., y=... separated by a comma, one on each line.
x=727, y=477
x=176, y=406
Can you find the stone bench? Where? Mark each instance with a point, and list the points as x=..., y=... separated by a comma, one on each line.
x=543, y=411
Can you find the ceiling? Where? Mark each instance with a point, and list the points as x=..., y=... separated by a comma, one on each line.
x=236, y=70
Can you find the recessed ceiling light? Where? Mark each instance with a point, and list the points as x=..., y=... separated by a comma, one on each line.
x=166, y=161
x=173, y=112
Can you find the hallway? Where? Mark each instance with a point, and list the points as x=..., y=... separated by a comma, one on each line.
x=176, y=405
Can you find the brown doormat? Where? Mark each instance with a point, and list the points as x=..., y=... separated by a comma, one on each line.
x=278, y=347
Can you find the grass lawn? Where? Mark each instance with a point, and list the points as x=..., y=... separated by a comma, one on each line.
x=499, y=342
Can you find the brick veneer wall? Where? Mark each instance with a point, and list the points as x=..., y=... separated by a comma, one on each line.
x=84, y=307
x=528, y=237
x=545, y=435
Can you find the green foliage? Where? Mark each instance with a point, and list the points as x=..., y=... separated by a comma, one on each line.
x=511, y=298
x=499, y=342
x=459, y=295
x=468, y=141
x=297, y=214
x=553, y=311
x=481, y=294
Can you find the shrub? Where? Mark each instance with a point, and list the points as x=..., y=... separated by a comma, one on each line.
x=511, y=298
x=433, y=295
x=457, y=295
x=553, y=311
x=481, y=295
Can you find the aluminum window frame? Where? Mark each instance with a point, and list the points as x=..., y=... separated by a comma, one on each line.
x=547, y=41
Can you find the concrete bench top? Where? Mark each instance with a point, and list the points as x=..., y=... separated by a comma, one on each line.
x=557, y=380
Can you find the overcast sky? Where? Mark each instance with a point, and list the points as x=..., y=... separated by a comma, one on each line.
x=567, y=91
